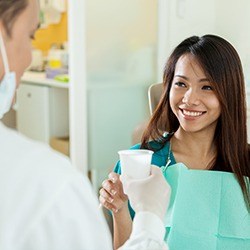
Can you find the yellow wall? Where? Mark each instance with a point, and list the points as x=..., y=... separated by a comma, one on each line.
x=54, y=33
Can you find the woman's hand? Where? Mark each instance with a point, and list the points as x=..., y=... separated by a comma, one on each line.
x=112, y=196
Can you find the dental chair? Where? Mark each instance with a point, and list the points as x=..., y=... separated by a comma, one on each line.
x=154, y=95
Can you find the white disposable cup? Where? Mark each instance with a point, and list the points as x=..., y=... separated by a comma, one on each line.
x=136, y=163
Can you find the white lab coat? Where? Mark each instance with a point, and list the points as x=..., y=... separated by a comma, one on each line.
x=147, y=234
x=47, y=204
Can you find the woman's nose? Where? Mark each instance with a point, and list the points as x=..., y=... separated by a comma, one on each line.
x=191, y=97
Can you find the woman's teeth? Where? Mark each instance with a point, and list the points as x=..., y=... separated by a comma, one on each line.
x=191, y=113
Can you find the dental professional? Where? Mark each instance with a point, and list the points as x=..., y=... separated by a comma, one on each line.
x=45, y=202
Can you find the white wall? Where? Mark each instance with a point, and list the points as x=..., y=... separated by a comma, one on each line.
x=229, y=19
x=181, y=19
x=232, y=23
x=78, y=88
x=120, y=41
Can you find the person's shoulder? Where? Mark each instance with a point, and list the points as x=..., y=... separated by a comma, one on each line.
x=33, y=176
x=11, y=138
x=75, y=198
x=17, y=150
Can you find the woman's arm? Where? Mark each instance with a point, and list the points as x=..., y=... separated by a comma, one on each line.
x=113, y=198
x=122, y=224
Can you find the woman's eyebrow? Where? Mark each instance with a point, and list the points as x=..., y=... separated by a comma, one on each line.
x=186, y=78
x=181, y=76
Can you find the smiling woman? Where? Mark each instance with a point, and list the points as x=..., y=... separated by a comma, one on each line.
x=192, y=98
x=199, y=124
x=203, y=107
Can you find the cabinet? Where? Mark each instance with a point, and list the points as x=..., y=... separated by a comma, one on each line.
x=42, y=111
x=33, y=118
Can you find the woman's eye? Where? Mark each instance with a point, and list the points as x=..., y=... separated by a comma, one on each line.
x=207, y=87
x=180, y=84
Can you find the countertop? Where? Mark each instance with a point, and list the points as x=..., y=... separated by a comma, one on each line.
x=39, y=78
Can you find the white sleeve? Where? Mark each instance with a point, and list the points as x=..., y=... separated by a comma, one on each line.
x=147, y=234
x=72, y=221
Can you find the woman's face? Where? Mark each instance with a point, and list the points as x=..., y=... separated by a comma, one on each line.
x=192, y=98
x=18, y=46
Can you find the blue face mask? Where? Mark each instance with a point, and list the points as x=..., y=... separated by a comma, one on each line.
x=7, y=84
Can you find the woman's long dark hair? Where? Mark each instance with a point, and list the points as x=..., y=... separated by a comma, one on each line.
x=222, y=66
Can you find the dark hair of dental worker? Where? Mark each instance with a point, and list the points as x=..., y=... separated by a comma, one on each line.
x=9, y=11
x=223, y=70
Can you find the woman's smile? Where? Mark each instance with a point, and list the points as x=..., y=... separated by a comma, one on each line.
x=191, y=114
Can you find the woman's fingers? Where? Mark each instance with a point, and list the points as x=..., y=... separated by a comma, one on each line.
x=116, y=184
x=110, y=187
x=114, y=177
x=107, y=204
x=111, y=194
x=106, y=195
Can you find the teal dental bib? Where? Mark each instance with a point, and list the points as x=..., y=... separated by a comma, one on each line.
x=206, y=212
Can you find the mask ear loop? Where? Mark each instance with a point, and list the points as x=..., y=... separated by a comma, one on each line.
x=6, y=64
x=4, y=55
